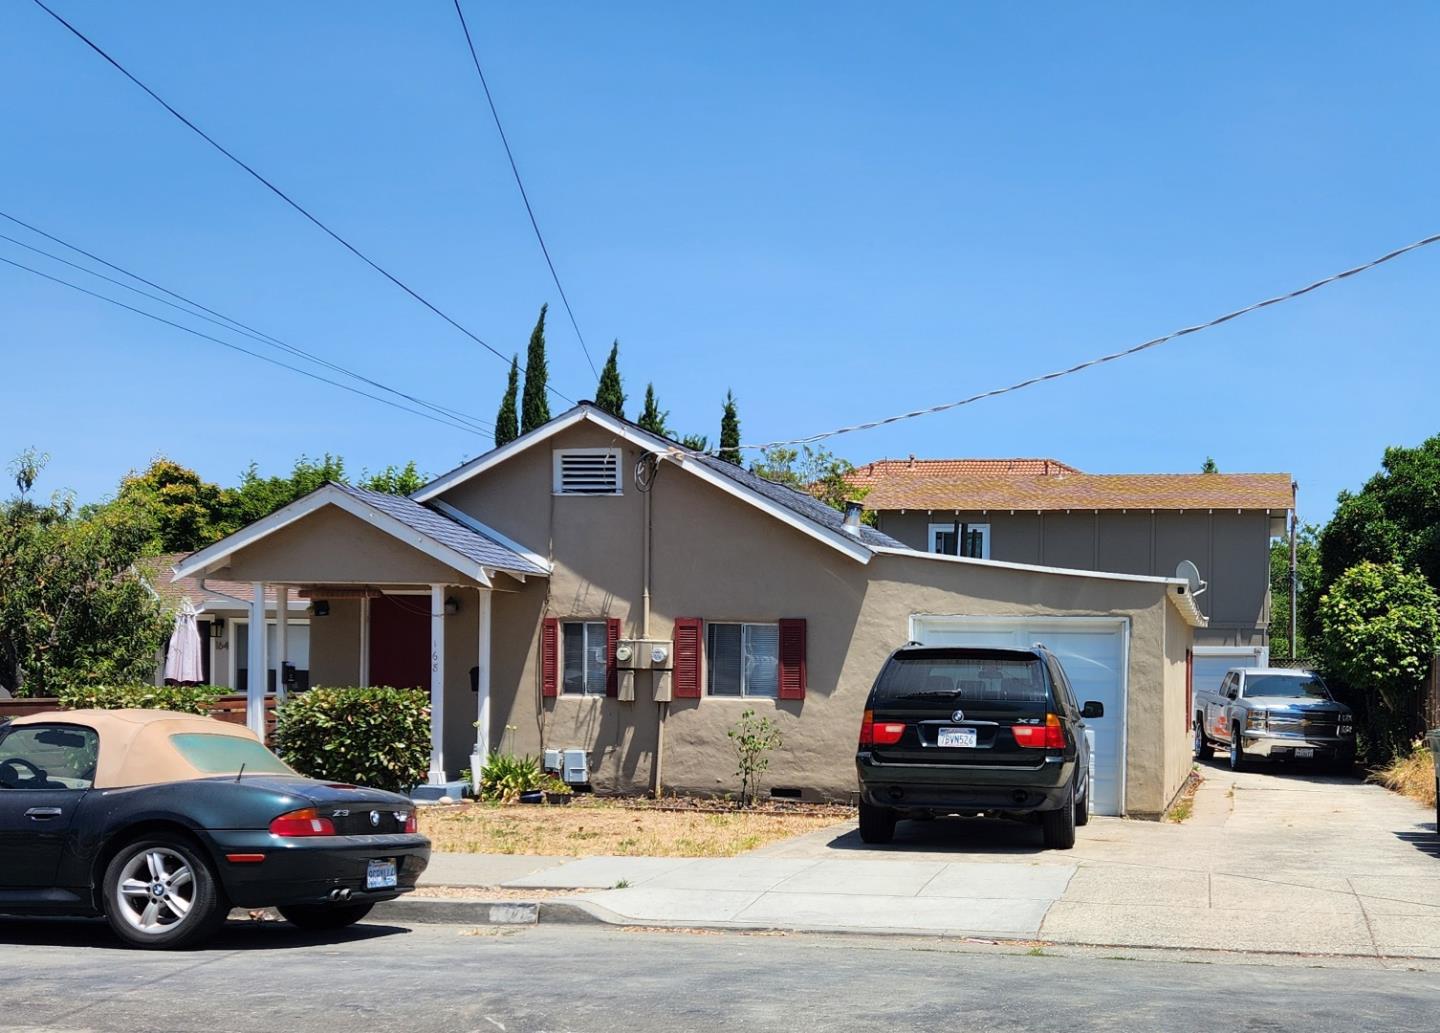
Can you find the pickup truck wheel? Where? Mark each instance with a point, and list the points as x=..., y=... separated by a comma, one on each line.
x=1237, y=755
x=1203, y=749
x=877, y=824
x=1059, y=825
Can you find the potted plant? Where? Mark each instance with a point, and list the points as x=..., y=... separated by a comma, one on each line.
x=556, y=790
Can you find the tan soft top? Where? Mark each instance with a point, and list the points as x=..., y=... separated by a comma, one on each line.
x=135, y=746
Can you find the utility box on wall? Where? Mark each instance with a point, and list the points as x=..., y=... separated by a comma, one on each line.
x=639, y=654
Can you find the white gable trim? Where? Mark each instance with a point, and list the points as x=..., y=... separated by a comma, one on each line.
x=209, y=558
x=845, y=543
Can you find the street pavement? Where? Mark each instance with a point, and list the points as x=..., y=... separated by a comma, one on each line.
x=1271, y=860
x=70, y=976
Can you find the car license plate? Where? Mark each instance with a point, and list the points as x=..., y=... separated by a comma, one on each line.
x=963, y=737
x=1304, y=752
x=380, y=875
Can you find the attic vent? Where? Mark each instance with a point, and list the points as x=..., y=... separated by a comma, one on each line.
x=587, y=471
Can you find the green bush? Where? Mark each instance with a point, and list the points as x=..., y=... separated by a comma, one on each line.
x=187, y=699
x=505, y=776
x=374, y=737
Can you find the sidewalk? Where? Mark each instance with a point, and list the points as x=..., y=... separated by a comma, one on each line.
x=1266, y=863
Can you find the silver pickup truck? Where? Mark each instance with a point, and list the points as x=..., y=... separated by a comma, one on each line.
x=1276, y=713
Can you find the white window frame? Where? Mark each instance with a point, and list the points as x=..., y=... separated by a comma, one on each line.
x=744, y=627
x=588, y=625
x=936, y=527
x=232, y=637
x=558, y=483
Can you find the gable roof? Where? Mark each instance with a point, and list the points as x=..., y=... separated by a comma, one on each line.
x=883, y=469
x=789, y=505
x=204, y=593
x=467, y=549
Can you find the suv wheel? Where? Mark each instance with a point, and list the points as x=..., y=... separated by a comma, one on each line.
x=877, y=824
x=160, y=892
x=1059, y=825
x=1203, y=749
x=1237, y=754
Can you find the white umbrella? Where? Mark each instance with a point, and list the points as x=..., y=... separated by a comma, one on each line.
x=182, y=661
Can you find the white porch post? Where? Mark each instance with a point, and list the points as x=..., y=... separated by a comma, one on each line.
x=255, y=676
x=437, y=685
x=482, y=691
x=282, y=638
x=364, y=641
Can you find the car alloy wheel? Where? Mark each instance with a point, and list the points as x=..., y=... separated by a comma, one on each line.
x=156, y=890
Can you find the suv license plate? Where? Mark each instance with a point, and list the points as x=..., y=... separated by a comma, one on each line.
x=964, y=737
x=1304, y=752
x=380, y=875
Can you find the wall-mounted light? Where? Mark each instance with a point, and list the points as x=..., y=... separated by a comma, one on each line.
x=320, y=608
x=217, y=627
x=452, y=605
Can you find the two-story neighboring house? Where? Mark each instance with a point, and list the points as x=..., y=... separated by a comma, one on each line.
x=1048, y=513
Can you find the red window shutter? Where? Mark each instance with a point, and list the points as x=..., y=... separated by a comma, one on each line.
x=550, y=657
x=687, y=649
x=792, y=658
x=612, y=671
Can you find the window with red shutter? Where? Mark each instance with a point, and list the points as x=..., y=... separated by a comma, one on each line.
x=549, y=657
x=687, y=652
x=612, y=670
x=792, y=658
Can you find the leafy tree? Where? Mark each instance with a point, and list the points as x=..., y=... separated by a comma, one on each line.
x=730, y=431
x=1307, y=562
x=695, y=442
x=534, y=405
x=182, y=511
x=1209, y=466
x=507, y=421
x=258, y=496
x=652, y=417
x=73, y=608
x=609, y=393
x=812, y=470
x=395, y=480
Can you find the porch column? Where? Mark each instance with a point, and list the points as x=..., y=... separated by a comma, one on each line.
x=282, y=638
x=482, y=688
x=256, y=665
x=364, y=641
x=437, y=685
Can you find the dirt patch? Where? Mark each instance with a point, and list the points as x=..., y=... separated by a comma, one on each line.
x=622, y=828
x=487, y=893
x=1184, y=803
x=1412, y=775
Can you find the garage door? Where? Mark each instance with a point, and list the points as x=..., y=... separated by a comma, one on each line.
x=1211, y=663
x=1092, y=650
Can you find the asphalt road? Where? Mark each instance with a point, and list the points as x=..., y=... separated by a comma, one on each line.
x=69, y=976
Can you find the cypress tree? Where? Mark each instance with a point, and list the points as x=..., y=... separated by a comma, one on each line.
x=652, y=417
x=730, y=431
x=507, y=427
x=534, y=406
x=609, y=394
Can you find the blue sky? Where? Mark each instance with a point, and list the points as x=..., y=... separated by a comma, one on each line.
x=839, y=211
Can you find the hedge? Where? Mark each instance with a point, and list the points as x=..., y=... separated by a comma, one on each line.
x=187, y=699
x=374, y=737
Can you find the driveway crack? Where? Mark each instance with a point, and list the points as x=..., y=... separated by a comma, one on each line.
x=1369, y=925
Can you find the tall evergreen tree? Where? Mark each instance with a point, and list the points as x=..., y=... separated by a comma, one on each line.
x=652, y=417
x=535, y=406
x=507, y=422
x=730, y=431
x=609, y=393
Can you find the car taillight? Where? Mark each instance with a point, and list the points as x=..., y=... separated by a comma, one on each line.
x=1049, y=736
x=411, y=824
x=881, y=733
x=304, y=822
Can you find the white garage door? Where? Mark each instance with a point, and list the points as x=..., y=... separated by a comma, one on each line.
x=1211, y=663
x=1093, y=651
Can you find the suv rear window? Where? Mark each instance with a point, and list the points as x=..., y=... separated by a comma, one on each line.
x=924, y=678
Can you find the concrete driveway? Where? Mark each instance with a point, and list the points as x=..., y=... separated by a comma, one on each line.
x=1273, y=859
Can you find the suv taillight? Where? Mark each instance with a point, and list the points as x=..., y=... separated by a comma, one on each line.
x=411, y=825
x=881, y=733
x=304, y=822
x=1049, y=736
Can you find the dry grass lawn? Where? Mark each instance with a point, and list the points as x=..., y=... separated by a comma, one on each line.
x=1412, y=776
x=591, y=826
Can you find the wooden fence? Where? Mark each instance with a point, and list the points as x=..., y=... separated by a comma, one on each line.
x=232, y=709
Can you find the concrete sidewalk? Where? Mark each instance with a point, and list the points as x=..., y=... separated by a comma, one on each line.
x=1269, y=861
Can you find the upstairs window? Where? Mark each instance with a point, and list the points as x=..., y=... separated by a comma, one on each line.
x=973, y=539
x=587, y=471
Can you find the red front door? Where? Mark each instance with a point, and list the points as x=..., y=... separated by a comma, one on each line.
x=400, y=641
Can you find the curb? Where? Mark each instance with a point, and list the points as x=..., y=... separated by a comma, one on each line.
x=455, y=911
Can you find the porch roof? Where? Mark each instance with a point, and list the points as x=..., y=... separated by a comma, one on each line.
x=468, y=547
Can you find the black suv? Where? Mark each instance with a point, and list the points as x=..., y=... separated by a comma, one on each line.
x=971, y=731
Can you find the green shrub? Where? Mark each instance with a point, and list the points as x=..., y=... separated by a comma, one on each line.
x=372, y=737
x=187, y=699
x=505, y=776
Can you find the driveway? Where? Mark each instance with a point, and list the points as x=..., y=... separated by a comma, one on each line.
x=1272, y=859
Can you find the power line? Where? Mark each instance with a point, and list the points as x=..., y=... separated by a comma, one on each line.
x=524, y=196
x=239, y=348
x=1152, y=343
x=222, y=320
x=282, y=195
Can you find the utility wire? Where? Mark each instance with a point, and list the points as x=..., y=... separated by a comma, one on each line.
x=534, y=224
x=284, y=196
x=1152, y=343
x=239, y=348
x=224, y=321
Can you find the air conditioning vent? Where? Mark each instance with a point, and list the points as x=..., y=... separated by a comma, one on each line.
x=587, y=471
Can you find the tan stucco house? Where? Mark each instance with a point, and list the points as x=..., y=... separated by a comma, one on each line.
x=592, y=586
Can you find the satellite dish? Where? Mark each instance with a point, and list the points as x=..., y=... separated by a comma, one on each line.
x=1187, y=571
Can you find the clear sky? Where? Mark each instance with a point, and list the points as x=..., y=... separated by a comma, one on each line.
x=838, y=210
